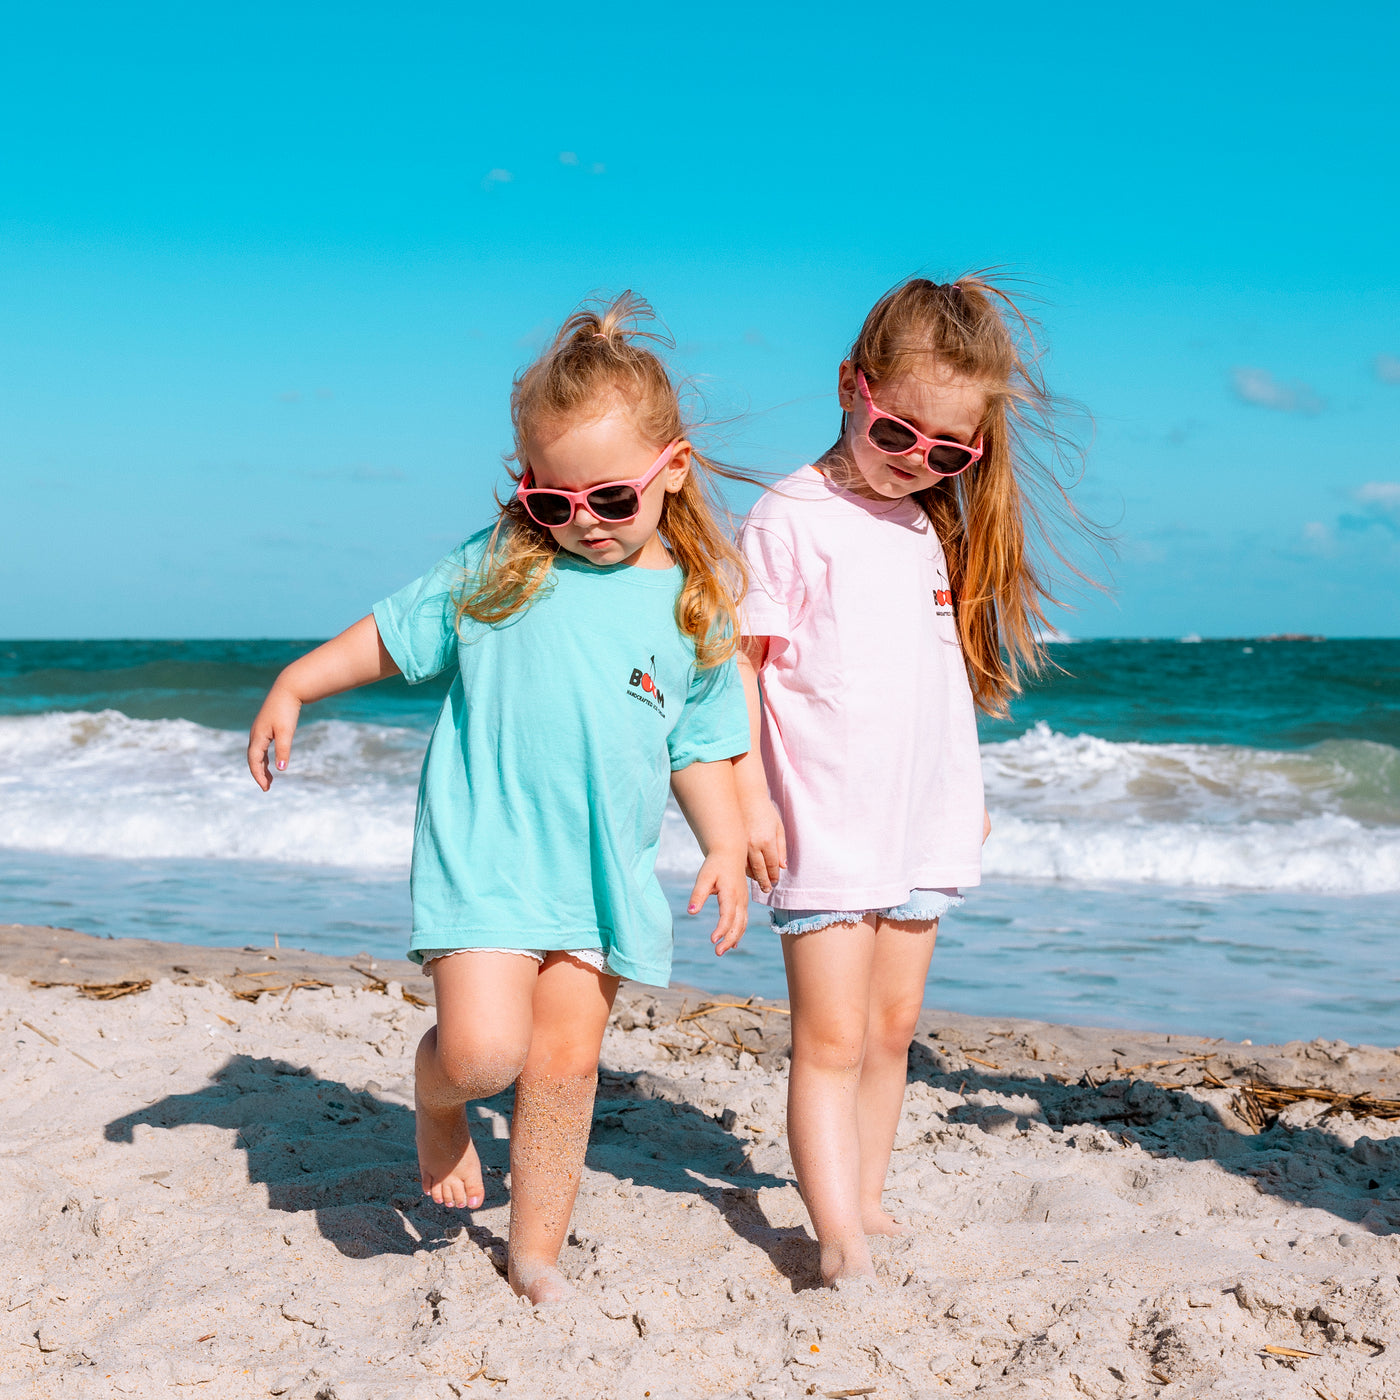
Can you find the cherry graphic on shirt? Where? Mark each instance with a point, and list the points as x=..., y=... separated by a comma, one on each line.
x=643, y=681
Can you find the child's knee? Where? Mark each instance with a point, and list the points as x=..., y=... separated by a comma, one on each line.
x=892, y=1028
x=575, y=1064
x=834, y=1047
x=480, y=1061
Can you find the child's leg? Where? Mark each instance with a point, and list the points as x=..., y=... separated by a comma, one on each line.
x=828, y=974
x=476, y=1049
x=553, y=1113
x=898, y=972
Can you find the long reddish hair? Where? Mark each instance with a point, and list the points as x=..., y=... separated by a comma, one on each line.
x=989, y=517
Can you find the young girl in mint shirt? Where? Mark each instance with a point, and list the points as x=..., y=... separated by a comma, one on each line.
x=590, y=634
x=890, y=597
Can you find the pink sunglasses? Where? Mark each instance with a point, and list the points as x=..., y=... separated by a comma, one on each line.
x=886, y=433
x=617, y=502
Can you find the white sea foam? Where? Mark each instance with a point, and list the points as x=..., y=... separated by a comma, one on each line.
x=1043, y=775
x=1214, y=815
x=106, y=785
x=1332, y=855
x=1063, y=808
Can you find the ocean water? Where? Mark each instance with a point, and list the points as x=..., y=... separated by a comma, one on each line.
x=1192, y=836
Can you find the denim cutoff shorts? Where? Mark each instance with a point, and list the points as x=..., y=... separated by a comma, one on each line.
x=922, y=906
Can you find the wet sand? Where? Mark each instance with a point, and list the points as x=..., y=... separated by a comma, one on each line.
x=210, y=1190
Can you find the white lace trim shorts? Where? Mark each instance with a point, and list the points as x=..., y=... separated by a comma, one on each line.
x=595, y=958
x=922, y=906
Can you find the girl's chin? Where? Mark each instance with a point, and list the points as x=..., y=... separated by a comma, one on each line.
x=896, y=483
x=889, y=481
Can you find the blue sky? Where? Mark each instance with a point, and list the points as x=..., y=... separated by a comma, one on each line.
x=266, y=272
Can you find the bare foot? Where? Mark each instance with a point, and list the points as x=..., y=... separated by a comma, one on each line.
x=542, y=1284
x=448, y=1165
x=844, y=1262
x=877, y=1221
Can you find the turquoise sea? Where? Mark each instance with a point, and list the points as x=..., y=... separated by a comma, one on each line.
x=1196, y=836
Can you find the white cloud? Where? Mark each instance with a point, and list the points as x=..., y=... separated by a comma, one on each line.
x=1380, y=507
x=571, y=158
x=1258, y=386
x=1384, y=495
x=496, y=177
x=1388, y=369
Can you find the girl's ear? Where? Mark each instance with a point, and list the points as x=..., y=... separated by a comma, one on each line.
x=678, y=468
x=846, y=386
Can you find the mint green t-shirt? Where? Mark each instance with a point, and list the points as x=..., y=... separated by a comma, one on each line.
x=540, y=804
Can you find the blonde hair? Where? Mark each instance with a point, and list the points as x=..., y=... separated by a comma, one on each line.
x=974, y=329
x=594, y=364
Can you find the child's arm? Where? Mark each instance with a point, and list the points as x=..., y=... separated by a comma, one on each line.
x=705, y=792
x=767, y=852
x=354, y=658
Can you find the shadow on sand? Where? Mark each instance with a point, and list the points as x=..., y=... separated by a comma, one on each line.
x=348, y=1156
x=1307, y=1165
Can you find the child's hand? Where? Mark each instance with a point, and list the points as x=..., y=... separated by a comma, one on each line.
x=723, y=876
x=767, y=841
x=275, y=725
x=356, y=657
x=986, y=825
x=706, y=794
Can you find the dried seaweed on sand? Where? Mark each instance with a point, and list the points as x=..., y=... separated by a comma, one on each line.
x=100, y=991
x=1257, y=1103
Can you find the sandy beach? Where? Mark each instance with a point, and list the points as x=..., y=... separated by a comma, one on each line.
x=210, y=1190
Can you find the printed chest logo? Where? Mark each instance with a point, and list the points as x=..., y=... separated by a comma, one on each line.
x=643, y=686
x=943, y=597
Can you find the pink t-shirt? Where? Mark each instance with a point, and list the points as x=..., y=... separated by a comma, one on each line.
x=869, y=735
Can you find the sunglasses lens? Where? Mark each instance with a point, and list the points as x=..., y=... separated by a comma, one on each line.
x=890, y=436
x=548, y=509
x=614, y=503
x=948, y=461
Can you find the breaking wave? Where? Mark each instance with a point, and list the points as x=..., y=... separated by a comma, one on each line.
x=1082, y=809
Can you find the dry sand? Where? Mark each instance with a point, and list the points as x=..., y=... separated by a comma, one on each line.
x=214, y=1196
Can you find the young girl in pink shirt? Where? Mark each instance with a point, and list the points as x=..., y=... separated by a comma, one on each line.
x=891, y=595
